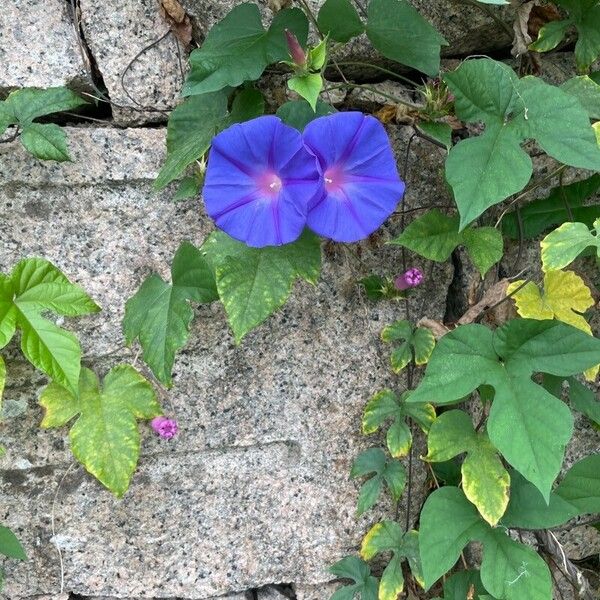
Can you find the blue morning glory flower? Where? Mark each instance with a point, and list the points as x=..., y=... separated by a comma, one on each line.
x=361, y=182
x=259, y=182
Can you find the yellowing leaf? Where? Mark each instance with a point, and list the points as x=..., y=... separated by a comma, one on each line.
x=563, y=245
x=564, y=297
x=105, y=437
x=485, y=481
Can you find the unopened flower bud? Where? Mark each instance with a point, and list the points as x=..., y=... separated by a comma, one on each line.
x=298, y=55
x=412, y=278
x=164, y=427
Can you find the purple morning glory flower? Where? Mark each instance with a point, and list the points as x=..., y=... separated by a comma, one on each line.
x=164, y=427
x=259, y=181
x=361, y=183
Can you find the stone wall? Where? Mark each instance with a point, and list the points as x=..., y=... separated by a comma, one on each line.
x=252, y=499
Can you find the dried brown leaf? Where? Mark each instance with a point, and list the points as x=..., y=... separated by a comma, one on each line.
x=492, y=296
x=178, y=21
x=521, y=28
x=277, y=5
x=438, y=329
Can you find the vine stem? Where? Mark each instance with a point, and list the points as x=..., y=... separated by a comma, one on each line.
x=550, y=544
x=311, y=17
x=379, y=68
x=53, y=528
x=530, y=189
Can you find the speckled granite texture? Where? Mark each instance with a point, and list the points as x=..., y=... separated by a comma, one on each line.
x=38, y=46
x=255, y=489
x=251, y=501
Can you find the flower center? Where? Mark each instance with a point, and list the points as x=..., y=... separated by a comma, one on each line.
x=269, y=184
x=334, y=179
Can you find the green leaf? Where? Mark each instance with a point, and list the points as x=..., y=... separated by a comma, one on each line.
x=584, y=400
x=238, y=48
x=442, y=132
x=418, y=342
x=105, y=437
x=563, y=245
x=339, y=20
x=317, y=56
x=299, y=113
x=512, y=570
x=400, y=33
x=27, y=104
x=34, y=287
x=559, y=124
x=159, y=314
x=2, y=380
x=527, y=508
x=485, y=170
x=580, y=487
x=388, y=536
x=585, y=16
x=386, y=405
x=189, y=187
x=484, y=245
x=355, y=569
x=448, y=523
x=10, y=545
x=254, y=282
x=45, y=141
x=587, y=91
x=459, y=585
x=248, y=104
x=435, y=236
x=191, y=128
x=485, y=481
x=385, y=470
x=308, y=86
x=528, y=425
x=550, y=36
x=542, y=214
x=509, y=570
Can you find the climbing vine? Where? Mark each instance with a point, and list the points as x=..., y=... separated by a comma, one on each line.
x=494, y=403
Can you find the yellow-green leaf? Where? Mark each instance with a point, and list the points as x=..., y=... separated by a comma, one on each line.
x=388, y=536
x=423, y=342
x=486, y=482
x=399, y=439
x=419, y=341
x=400, y=357
x=386, y=405
x=105, y=436
x=564, y=297
x=563, y=245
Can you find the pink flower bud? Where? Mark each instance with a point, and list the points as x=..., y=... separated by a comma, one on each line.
x=412, y=278
x=164, y=427
x=296, y=52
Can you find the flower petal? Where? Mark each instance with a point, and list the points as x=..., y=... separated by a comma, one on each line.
x=241, y=159
x=358, y=146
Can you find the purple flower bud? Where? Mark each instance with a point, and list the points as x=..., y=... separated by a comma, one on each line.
x=164, y=427
x=412, y=278
x=298, y=55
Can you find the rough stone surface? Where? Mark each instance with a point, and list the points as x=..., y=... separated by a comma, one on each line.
x=254, y=490
x=466, y=28
x=324, y=591
x=116, y=34
x=39, y=46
